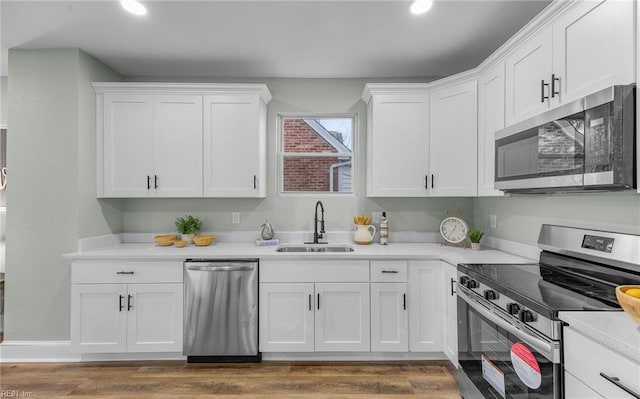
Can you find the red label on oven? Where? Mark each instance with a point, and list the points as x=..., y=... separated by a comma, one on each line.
x=526, y=365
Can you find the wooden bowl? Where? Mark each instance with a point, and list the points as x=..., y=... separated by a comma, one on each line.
x=202, y=240
x=181, y=243
x=629, y=304
x=165, y=239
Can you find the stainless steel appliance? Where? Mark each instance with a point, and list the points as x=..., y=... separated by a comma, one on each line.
x=587, y=144
x=221, y=310
x=509, y=334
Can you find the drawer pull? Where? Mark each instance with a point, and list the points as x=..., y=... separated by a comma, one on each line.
x=390, y=271
x=121, y=272
x=616, y=381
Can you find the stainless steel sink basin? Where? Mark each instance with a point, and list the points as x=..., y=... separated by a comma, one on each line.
x=314, y=248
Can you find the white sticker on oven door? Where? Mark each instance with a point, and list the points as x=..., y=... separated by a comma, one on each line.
x=493, y=375
x=526, y=365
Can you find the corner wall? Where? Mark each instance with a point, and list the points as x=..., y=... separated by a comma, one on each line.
x=47, y=149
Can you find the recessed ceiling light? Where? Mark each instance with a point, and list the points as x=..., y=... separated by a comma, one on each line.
x=134, y=7
x=420, y=6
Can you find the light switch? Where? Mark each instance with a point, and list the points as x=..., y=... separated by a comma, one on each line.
x=493, y=221
x=235, y=217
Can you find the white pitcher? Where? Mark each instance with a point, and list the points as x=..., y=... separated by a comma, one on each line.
x=363, y=234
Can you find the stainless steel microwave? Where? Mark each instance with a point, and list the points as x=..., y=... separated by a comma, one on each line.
x=587, y=144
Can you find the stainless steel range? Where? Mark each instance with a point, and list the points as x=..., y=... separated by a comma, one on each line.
x=509, y=334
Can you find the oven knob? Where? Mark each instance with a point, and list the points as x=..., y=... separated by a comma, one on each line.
x=526, y=316
x=472, y=284
x=490, y=294
x=463, y=280
x=513, y=308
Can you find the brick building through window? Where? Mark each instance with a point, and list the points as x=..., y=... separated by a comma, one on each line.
x=315, y=159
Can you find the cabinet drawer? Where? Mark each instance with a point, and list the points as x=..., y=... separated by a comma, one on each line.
x=305, y=271
x=586, y=359
x=388, y=271
x=125, y=272
x=576, y=389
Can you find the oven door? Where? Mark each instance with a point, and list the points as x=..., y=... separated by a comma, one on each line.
x=500, y=360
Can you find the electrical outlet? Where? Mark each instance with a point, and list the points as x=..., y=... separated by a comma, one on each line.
x=493, y=221
x=376, y=217
x=235, y=217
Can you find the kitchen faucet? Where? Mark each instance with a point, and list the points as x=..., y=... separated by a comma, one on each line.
x=316, y=235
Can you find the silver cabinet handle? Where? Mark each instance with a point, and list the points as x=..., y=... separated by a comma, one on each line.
x=616, y=381
x=121, y=297
x=453, y=282
x=122, y=272
x=220, y=268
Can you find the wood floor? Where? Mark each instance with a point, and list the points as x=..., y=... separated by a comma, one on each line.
x=175, y=379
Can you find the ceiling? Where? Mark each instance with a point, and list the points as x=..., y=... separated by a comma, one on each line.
x=266, y=38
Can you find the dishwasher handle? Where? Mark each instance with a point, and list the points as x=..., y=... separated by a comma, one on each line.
x=220, y=267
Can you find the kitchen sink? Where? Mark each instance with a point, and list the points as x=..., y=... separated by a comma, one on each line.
x=314, y=248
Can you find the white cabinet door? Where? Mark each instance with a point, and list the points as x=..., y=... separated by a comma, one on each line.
x=450, y=313
x=154, y=318
x=398, y=145
x=453, y=136
x=234, y=146
x=342, y=317
x=127, y=145
x=490, y=119
x=425, y=306
x=98, y=318
x=286, y=317
x=389, y=330
x=526, y=67
x=178, y=146
x=593, y=46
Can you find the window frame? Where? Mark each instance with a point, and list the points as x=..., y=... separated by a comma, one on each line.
x=280, y=154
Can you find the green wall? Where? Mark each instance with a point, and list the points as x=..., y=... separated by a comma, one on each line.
x=519, y=217
x=48, y=200
x=3, y=100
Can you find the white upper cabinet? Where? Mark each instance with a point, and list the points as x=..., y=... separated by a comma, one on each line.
x=593, y=47
x=177, y=142
x=490, y=119
x=234, y=146
x=127, y=145
x=397, y=140
x=181, y=140
x=587, y=47
x=453, y=140
x=528, y=71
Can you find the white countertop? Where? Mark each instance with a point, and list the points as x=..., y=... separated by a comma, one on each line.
x=613, y=329
x=147, y=251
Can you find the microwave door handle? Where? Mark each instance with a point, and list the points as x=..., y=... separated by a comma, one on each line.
x=550, y=351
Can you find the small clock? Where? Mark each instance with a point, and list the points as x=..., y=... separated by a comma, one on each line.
x=454, y=230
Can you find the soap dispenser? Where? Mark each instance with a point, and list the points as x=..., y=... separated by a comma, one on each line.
x=384, y=229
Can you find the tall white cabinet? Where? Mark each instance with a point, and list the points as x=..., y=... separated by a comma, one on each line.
x=425, y=311
x=181, y=140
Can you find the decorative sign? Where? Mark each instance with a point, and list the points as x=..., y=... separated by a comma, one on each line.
x=493, y=375
x=526, y=365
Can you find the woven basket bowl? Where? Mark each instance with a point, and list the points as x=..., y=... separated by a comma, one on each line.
x=629, y=304
x=202, y=240
x=181, y=243
x=165, y=239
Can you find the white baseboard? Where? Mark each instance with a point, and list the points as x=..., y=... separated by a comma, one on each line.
x=37, y=351
x=353, y=356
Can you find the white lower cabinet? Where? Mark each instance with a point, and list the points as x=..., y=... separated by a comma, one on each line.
x=425, y=306
x=126, y=307
x=389, y=318
x=450, y=313
x=592, y=367
x=286, y=317
x=308, y=317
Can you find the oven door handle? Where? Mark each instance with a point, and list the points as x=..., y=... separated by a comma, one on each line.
x=550, y=350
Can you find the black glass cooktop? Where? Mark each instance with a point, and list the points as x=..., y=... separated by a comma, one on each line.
x=557, y=283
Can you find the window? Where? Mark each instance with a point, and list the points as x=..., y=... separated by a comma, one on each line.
x=316, y=154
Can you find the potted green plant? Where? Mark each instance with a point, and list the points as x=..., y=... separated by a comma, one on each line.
x=188, y=226
x=475, y=236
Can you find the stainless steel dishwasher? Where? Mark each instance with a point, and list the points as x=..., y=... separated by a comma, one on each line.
x=221, y=310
